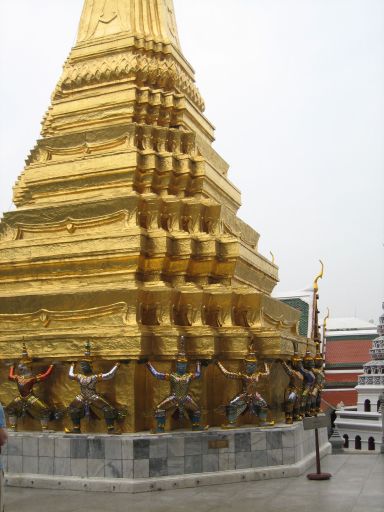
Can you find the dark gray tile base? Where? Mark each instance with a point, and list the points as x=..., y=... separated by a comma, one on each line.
x=153, y=456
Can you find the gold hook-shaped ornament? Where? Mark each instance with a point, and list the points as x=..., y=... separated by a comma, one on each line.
x=325, y=320
x=319, y=276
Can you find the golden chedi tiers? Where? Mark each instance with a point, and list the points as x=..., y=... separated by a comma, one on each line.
x=126, y=231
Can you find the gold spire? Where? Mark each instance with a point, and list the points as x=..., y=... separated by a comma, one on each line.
x=153, y=19
x=127, y=67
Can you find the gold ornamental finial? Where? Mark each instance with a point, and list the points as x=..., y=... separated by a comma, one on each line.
x=319, y=355
x=308, y=358
x=315, y=313
x=319, y=276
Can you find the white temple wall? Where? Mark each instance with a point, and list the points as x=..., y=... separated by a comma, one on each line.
x=372, y=395
x=365, y=435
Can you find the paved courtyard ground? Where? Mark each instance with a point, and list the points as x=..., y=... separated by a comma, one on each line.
x=357, y=486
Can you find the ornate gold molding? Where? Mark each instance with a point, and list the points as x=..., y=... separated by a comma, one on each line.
x=149, y=138
x=45, y=317
x=160, y=71
x=71, y=225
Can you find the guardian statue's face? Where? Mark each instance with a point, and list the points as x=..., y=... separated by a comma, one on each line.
x=309, y=365
x=181, y=368
x=296, y=365
x=24, y=370
x=86, y=368
x=250, y=368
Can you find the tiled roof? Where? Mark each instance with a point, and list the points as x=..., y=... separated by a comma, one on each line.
x=303, y=307
x=356, y=335
x=359, y=367
x=342, y=377
x=306, y=293
x=335, y=397
x=349, y=323
x=348, y=351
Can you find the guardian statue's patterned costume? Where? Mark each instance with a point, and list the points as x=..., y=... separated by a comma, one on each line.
x=249, y=399
x=306, y=370
x=89, y=400
x=292, y=402
x=27, y=402
x=179, y=400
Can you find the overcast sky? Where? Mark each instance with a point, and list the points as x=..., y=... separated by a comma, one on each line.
x=295, y=90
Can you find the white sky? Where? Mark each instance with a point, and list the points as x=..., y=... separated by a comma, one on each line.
x=296, y=91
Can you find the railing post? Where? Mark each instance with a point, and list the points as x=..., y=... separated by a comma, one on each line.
x=382, y=421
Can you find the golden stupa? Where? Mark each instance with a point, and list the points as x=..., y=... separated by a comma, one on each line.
x=126, y=230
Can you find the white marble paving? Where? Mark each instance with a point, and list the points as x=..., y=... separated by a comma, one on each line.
x=356, y=486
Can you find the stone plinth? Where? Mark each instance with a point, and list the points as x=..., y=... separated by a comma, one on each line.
x=134, y=463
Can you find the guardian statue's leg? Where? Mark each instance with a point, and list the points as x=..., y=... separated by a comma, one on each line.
x=296, y=409
x=77, y=413
x=39, y=410
x=292, y=408
x=313, y=405
x=107, y=410
x=303, y=405
x=14, y=411
x=308, y=408
x=194, y=413
x=259, y=407
x=263, y=414
x=318, y=403
x=235, y=409
x=161, y=412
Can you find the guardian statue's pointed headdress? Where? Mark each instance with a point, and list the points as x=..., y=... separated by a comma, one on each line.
x=251, y=357
x=182, y=356
x=87, y=352
x=308, y=358
x=25, y=359
x=295, y=358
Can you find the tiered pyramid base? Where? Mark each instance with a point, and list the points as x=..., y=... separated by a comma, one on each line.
x=144, y=462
